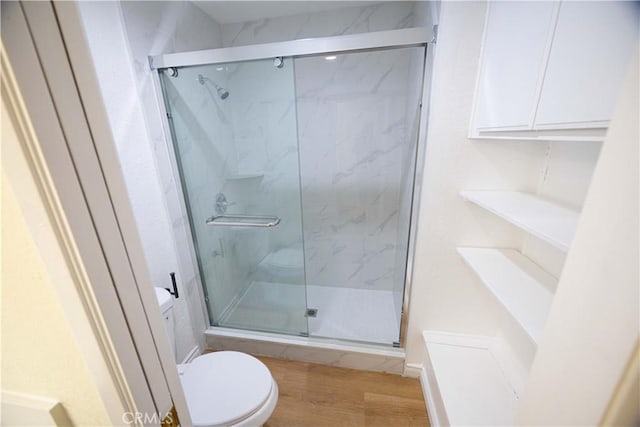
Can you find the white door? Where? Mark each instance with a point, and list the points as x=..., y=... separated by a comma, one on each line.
x=591, y=52
x=45, y=47
x=515, y=45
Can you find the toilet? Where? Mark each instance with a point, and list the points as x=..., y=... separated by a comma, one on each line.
x=225, y=388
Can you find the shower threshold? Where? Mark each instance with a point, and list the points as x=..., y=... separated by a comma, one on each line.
x=325, y=351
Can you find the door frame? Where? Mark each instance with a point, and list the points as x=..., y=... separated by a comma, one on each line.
x=50, y=85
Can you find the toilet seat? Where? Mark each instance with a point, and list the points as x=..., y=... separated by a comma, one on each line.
x=227, y=387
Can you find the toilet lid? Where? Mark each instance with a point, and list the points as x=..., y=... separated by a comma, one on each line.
x=224, y=387
x=289, y=258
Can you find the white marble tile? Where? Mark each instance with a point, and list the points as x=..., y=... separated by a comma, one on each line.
x=385, y=16
x=264, y=348
x=265, y=138
x=355, y=145
x=306, y=350
x=370, y=363
x=354, y=179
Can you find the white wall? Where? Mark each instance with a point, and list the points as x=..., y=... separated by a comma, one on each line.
x=445, y=295
x=592, y=331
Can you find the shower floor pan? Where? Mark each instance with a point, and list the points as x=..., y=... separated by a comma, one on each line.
x=342, y=313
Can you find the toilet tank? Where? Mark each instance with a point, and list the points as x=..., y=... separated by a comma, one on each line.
x=165, y=301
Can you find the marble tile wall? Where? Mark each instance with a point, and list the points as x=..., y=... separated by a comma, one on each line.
x=245, y=147
x=206, y=156
x=342, y=202
x=380, y=17
x=263, y=102
x=165, y=27
x=153, y=28
x=356, y=152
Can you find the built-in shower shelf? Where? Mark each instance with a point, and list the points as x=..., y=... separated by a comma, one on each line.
x=244, y=176
x=466, y=374
x=545, y=220
x=523, y=288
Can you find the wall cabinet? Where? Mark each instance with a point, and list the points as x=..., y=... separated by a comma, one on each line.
x=590, y=54
x=514, y=52
x=552, y=65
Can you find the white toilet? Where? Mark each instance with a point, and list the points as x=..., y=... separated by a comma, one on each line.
x=225, y=388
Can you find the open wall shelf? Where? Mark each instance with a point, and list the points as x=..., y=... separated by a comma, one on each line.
x=545, y=220
x=537, y=136
x=523, y=288
x=467, y=375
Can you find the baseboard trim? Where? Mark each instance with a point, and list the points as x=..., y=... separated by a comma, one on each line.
x=412, y=370
x=427, y=392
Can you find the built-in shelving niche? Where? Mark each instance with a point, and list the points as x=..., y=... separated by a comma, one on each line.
x=532, y=87
x=474, y=374
x=471, y=380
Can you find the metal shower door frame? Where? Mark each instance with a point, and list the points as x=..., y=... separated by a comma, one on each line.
x=407, y=37
x=403, y=38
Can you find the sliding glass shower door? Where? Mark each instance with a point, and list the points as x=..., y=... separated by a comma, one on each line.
x=358, y=119
x=235, y=138
x=298, y=175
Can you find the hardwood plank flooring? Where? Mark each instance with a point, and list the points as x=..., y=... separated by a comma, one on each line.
x=319, y=395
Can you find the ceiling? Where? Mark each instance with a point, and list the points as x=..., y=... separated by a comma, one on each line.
x=226, y=12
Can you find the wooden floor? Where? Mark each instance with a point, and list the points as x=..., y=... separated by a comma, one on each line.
x=318, y=395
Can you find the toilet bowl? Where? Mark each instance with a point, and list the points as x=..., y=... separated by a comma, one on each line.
x=229, y=388
x=225, y=388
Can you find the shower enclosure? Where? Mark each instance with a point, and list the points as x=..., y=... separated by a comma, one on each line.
x=297, y=164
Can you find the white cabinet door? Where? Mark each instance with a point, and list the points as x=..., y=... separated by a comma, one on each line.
x=516, y=40
x=590, y=54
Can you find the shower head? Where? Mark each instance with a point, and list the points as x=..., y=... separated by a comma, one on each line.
x=222, y=92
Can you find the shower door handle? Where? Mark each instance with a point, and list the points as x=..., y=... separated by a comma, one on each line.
x=243, y=221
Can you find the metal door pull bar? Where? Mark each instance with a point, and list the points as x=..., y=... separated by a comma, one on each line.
x=243, y=221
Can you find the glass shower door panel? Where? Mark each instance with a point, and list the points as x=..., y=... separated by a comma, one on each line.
x=358, y=116
x=235, y=138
